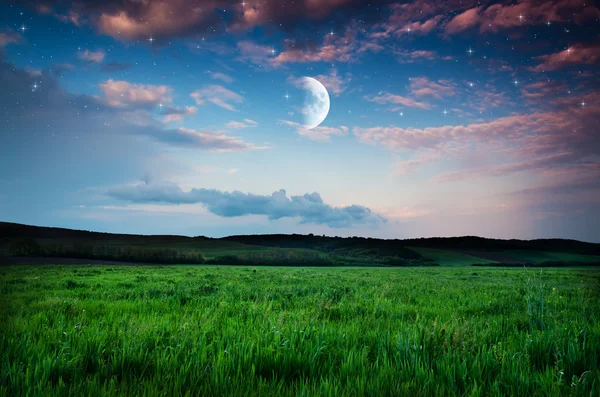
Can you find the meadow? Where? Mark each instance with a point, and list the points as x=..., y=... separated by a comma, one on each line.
x=299, y=331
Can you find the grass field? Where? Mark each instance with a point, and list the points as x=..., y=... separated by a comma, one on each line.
x=218, y=330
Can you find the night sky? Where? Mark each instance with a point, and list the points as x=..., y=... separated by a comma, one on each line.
x=179, y=117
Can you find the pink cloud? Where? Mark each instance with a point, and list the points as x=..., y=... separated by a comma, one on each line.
x=320, y=133
x=221, y=76
x=175, y=114
x=525, y=12
x=238, y=124
x=125, y=94
x=8, y=37
x=464, y=21
x=387, y=98
x=532, y=142
x=217, y=95
x=575, y=55
x=91, y=56
x=422, y=86
x=335, y=83
x=214, y=141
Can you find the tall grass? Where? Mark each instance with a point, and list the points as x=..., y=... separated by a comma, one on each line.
x=225, y=330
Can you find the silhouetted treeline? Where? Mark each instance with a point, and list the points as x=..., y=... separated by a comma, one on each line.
x=30, y=247
x=351, y=246
x=293, y=257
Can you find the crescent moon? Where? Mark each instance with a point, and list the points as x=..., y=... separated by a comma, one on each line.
x=316, y=102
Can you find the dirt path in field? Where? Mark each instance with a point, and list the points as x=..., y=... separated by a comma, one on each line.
x=26, y=260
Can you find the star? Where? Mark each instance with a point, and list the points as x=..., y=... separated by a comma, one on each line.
x=470, y=51
x=516, y=82
x=22, y=28
x=582, y=103
x=287, y=96
x=150, y=39
x=445, y=112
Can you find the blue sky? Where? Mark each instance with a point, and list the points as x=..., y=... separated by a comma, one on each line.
x=447, y=117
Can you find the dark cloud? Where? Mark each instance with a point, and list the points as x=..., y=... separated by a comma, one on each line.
x=310, y=208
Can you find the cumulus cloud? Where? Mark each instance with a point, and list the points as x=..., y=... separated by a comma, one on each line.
x=119, y=93
x=310, y=208
x=217, y=95
x=319, y=133
x=91, y=56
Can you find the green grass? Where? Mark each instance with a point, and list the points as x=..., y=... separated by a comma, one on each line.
x=449, y=258
x=221, y=330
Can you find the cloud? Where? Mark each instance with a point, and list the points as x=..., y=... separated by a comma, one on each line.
x=129, y=20
x=176, y=114
x=577, y=54
x=9, y=37
x=525, y=12
x=310, y=208
x=347, y=47
x=541, y=142
x=319, y=133
x=422, y=87
x=405, y=56
x=119, y=93
x=209, y=141
x=238, y=124
x=91, y=56
x=544, y=163
x=334, y=83
x=464, y=21
x=221, y=76
x=387, y=98
x=340, y=49
x=259, y=55
x=217, y=95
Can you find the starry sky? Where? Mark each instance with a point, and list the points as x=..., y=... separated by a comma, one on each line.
x=185, y=117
